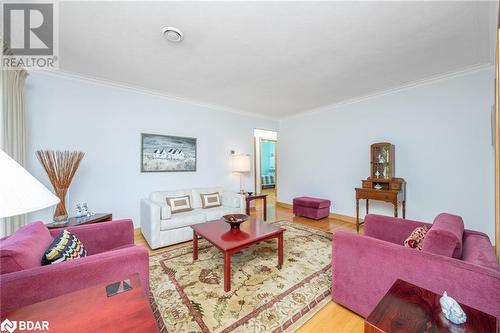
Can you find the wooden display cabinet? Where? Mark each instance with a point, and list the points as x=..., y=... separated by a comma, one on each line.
x=382, y=161
x=381, y=184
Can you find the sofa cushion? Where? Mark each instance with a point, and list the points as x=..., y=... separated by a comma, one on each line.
x=231, y=200
x=477, y=250
x=217, y=213
x=161, y=196
x=445, y=236
x=184, y=219
x=25, y=248
x=65, y=247
x=165, y=212
x=311, y=202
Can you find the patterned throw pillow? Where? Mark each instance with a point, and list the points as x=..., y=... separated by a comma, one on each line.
x=209, y=200
x=416, y=238
x=65, y=247
x=179, y=204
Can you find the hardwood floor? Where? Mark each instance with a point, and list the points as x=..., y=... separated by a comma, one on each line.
x=332, y=318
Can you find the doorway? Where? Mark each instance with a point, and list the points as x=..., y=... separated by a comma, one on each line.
x=266, y=164
x=268, y=167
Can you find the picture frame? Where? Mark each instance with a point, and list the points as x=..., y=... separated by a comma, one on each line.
x=167, y=153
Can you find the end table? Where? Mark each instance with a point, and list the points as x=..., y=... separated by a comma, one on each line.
x=411, y=309
x=250, y=198
x=74, y=221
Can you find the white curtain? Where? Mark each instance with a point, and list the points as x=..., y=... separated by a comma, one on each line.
x=13, y=131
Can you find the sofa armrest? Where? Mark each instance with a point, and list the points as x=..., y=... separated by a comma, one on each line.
x=390, y=229
x=150, y=222
x=33, y=285
x=235, y=200
x=364, y=268
x=101, y=237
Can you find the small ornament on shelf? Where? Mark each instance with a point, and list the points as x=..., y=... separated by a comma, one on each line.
x=82, y=210
x=452, y=310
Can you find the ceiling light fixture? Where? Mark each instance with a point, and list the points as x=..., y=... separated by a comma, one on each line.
x=172, y=34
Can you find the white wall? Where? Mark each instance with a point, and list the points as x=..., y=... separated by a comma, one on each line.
x=106, y=122
x=442, y=134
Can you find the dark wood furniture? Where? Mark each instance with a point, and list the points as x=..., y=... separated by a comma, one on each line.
x=91, y=310
x=391, y=196
x=411, y=309
x=230, y=241
x=382, y=185
x=74, y=221
x=249, y=198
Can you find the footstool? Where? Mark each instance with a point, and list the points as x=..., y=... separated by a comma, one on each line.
x=313, y=208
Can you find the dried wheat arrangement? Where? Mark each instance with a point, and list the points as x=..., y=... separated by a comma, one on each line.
x=60, y=167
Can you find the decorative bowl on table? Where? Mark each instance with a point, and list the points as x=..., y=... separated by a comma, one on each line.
x=235, y=220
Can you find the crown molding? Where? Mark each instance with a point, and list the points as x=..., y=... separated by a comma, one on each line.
x=149, y=92
x=222, y=108
x=410, y=85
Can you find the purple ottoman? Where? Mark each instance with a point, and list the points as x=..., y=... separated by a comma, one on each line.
x=313, y=208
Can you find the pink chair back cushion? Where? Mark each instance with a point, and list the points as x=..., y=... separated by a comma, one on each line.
x=445, y=236
x=25, y=248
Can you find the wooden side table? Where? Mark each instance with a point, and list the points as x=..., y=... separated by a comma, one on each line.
x=74, y=221
x=391, y=196
x=411, y=309
x=249, y=199
x=91, y=310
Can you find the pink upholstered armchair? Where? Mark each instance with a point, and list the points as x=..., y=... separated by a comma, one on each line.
x=112, y=256
x=462, y=262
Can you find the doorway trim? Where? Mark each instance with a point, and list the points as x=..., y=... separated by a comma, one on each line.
x=497, y=150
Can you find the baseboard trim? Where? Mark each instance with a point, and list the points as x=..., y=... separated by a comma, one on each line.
x=343, y=218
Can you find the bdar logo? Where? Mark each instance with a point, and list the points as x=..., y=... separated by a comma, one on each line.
x=8, y=326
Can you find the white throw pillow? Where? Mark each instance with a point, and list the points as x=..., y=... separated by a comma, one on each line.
x=179, y=204
x=209, y=200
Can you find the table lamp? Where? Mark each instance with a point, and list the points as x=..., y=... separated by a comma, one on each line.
x=241, y=165
x=20, y=192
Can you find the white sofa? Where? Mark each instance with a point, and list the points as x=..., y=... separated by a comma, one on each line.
x=161, y=228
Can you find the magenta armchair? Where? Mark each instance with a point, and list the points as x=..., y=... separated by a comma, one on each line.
x=112, y=256
x=365, y=266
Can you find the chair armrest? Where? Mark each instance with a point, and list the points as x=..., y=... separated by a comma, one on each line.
x=235, y=200
x=364, y=268
x=33, y=285
x=101, y=237
x=150, y=222
x=390, y=229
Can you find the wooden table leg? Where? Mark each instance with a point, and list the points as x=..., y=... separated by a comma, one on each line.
x=357, y=216
x=280, y=250
x=367, y=205
x=195, y=245
x=404, y=209
x=396, y=209
x=247, y=210
x=265, y=208
x=227, y=271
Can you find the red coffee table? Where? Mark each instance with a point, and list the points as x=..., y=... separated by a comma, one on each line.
x=230, y=241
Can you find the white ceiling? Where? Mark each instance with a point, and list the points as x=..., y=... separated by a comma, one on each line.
x=274, y=58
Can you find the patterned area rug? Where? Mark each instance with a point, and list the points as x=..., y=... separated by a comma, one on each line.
x=189, y=296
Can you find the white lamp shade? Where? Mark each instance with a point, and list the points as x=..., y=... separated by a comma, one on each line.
x=20, y=192
x=241, y=163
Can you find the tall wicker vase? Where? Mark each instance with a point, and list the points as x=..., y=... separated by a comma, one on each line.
x=60, y=167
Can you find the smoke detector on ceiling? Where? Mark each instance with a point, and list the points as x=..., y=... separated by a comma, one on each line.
x=172, y=34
